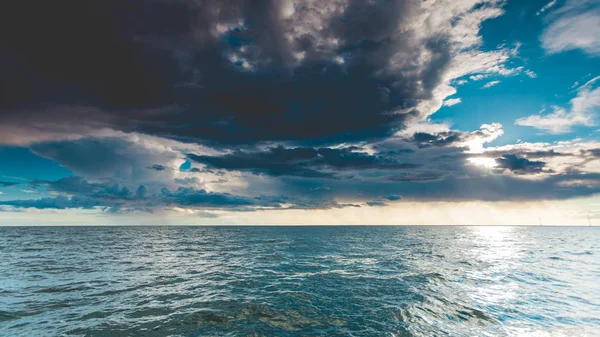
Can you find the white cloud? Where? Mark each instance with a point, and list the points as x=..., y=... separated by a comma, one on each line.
x=584, y=108
x=546, y=7
x=485, y=134
x=478, y=77
x=574, y=27
x=490, y=84
x=425, y=126
x=560, y=157
x=530, y=73
x=452, y=101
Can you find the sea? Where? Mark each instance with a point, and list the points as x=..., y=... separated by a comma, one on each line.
x=299, y=281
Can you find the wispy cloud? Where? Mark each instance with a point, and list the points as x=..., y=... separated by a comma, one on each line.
x=478, y=77
x=452, y=101
x=546, y=7
x=575, y=26
x=583, y=111
x=490, y=84
x=530, y=73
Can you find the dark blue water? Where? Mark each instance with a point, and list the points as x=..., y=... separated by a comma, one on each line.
x=299, y=281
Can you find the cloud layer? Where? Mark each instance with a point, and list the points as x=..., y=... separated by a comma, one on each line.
x=238, y=71
x=216, y=106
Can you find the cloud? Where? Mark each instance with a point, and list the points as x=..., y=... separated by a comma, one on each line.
x=595, y=152
x=471, y=184
x=440, y=139
x=157, y=167
x=423, y=166
x=304, y=162
x=123, y=159
x=583, y=112
x=547, y=7
x=200, y=198
x=519, y=165
x=473, y=140
x=295, y=104
x=376, y=203
x=452, y=101
x=560, y=158
x=490, y=84
x=7, y=184
x=478, y=77
x=530, y=73
x=317, y=72
x=523, y=171
x=576, y=25
x=77, y=192
x=59, y=202
x=85, y=194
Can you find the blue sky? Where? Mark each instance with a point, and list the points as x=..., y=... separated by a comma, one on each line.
x=386, y=112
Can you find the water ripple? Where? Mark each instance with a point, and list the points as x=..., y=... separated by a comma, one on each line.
x=289, y=281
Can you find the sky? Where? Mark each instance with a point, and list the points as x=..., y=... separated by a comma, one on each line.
x=437, y=112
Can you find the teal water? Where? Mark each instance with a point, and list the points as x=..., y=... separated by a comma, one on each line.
x=299, y=281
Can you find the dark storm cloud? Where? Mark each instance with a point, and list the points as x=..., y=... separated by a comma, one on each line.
x=376, y=203
x=188, y=197
x=81, y=52
x=80, y=186
x=423, y=139
x=77, y=192
x=482, y=187
x=526, y=153
x=115, y=192
x=304, y=162
x=417, y=176
x=542, y=154
x=519, y=165
x=59, y=202
x=157, y=167
x=7, y=184
x=595, y=152
x=227, y=71
x=248, y=73
x=85, y=194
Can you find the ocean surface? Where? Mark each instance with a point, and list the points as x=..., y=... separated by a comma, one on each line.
x=299, y=281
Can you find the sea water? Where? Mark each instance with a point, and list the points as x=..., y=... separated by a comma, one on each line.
x=300, y=281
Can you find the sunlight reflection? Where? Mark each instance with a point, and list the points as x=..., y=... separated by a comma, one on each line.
x=494, y=242
x=495, y=251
